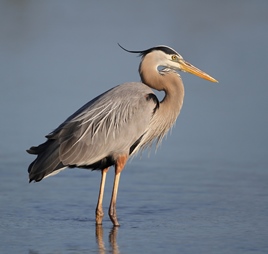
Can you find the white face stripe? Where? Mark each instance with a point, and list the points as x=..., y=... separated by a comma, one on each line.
x=164, y=46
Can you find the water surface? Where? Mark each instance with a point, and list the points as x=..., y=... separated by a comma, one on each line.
x=204, y=191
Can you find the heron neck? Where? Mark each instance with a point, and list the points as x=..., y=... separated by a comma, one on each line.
x=168, y=81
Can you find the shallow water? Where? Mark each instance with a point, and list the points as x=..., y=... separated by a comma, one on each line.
x=204, y=191
x=181, y=209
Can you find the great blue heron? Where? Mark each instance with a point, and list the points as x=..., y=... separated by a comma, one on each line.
x=118, y=123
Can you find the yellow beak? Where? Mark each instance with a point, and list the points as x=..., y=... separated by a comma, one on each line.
x=187, y=67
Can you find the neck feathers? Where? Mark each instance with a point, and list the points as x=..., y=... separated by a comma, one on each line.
x=170, y=82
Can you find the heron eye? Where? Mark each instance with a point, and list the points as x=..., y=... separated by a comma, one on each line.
x=174, y=57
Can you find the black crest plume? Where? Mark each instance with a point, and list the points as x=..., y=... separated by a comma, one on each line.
x=163, y=48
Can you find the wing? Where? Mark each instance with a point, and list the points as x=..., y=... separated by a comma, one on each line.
x=107, y=126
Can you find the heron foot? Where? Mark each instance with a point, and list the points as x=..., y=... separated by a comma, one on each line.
x=99, y=216
x=113, y=217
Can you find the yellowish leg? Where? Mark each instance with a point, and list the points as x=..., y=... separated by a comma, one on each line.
x=99, y=209
x=112, y=209
x=119, y=166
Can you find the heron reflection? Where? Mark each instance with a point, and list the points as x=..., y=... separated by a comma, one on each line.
x=113, y=246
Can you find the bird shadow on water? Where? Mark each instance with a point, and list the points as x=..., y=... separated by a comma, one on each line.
x=113, y=246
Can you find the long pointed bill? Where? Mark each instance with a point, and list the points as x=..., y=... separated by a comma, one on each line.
x=187, y=67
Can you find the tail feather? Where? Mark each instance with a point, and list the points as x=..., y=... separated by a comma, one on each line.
x=40, y=148
x=47, y=161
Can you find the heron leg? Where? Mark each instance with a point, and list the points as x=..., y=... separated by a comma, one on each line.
x=99, y=209
x=119, y=166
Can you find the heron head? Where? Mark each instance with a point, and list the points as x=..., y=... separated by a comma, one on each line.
x=167, y=57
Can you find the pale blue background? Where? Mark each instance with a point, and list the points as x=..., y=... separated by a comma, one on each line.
x=205, y=191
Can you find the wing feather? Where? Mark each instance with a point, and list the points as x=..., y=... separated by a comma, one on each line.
x=107, y=125
x=116, y=122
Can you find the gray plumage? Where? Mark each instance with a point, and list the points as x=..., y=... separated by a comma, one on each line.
x=118, y=123
x=89, y=138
